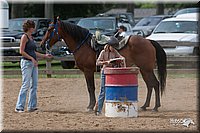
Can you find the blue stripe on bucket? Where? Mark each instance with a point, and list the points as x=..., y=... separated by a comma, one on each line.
x=121, y=93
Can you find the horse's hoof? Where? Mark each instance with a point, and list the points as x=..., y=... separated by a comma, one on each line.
x=89, y=110
x=143, y=109
x=154, y=110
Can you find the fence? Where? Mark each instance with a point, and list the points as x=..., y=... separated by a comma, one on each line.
x=174, y=63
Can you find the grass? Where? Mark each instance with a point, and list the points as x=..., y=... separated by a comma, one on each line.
x=57, y=65
x=183, y=75
x=41, y=64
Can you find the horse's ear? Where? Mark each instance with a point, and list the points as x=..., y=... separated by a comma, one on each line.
x=55, y=20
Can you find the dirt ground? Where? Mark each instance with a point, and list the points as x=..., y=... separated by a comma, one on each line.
x=62, y=106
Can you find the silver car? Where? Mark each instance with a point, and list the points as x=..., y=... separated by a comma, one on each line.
x=181, y=32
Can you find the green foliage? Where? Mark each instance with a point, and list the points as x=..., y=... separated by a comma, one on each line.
x=78, y=10
x=34, y=10
x=68, y=10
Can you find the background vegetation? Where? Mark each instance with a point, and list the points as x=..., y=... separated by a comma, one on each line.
x=68, y=10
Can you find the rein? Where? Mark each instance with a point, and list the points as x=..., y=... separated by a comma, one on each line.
x=82, y=42
x=55, y=30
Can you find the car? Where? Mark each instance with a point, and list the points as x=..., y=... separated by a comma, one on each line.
x=74, y=20
x=147, y=24
x=186, y=10
x=15, y=31
x=107, y=25
x=122, y=17
x=180, y=29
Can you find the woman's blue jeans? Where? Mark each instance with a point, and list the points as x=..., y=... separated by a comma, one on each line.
x=29, y=81
x=101, y=97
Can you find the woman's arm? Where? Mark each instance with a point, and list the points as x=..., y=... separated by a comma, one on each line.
x=100, y=60
x=122, y=57
x=43, y=56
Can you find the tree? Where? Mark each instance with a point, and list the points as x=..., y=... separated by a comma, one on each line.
x=48, y=10
x=17, y=10
x=130, y=8
x=159, y=9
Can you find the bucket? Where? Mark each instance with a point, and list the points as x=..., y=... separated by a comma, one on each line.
x=121, y=94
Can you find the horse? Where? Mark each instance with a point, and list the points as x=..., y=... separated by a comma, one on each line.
x=139, y=51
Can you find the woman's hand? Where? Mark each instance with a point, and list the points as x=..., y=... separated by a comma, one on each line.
x=106, y=62
x=34, y=62
x=48, y=56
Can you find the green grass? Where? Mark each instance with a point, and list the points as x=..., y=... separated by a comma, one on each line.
x=41, y=65
x=57, y=65
x=183, y=75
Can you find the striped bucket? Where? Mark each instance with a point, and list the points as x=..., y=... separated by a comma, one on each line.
x=121, y=92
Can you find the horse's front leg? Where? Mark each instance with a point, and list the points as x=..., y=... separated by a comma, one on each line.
x=89, y=76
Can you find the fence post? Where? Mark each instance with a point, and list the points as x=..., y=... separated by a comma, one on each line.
x=48, y=68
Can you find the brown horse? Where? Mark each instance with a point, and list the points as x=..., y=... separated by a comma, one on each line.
x=139, y=51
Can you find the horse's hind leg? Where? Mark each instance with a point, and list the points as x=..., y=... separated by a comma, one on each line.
x=145, y=76
x=89, y=76
x=151, y=82
x=157, y=92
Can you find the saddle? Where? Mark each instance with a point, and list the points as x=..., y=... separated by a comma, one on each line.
x=113, y=41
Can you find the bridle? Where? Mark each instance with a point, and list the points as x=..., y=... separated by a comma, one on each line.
x=55, y=31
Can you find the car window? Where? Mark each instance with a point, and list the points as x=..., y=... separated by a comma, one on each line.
x=97, y=23
x=187, y=10
x=15, y=25
x=130, y=18
x=42, y=24
x=177, y=27
x=149, y=21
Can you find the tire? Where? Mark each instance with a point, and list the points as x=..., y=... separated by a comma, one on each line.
x=196, y=51
x=67, y=64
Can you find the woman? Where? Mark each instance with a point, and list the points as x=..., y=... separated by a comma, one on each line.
x=104, y=59
x=29, y=68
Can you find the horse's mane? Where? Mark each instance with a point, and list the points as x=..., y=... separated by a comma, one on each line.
x=75, y=31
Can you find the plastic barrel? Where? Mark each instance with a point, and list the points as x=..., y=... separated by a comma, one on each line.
x=121, y=95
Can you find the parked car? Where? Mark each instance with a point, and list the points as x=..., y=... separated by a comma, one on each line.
x=182, y=28
x=186, y=10
x=107, y=25
x=122, y=17
x=73, y=20
x=147, y=24
x=15, y=31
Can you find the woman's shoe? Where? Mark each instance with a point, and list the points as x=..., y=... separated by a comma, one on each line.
x=32, y=110
x=19, y=110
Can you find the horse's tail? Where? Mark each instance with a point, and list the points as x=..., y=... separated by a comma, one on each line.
x=161, y=64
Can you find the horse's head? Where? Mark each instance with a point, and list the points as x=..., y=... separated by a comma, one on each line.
x=51, y=36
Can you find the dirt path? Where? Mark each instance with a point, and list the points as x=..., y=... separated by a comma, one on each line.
x=62, y=106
